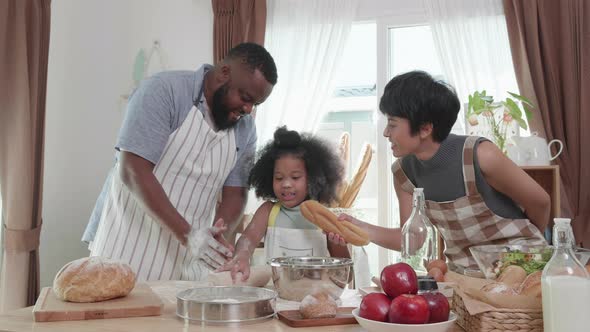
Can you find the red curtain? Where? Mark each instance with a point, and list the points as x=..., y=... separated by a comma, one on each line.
x=237, y=21
x=550, y=42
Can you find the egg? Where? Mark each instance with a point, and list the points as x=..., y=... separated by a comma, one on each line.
x=437, y=263
x=437, y=274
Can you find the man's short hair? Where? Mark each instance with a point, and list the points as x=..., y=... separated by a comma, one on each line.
x=255, y=57
x=421, y=99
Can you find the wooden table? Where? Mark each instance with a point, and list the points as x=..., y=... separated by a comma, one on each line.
x=22, y=320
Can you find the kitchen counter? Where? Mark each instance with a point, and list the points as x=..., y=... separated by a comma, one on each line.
x=22, y=320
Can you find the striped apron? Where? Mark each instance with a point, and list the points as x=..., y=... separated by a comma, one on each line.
x=467, y=221
x=192, y=169
x=282, y=242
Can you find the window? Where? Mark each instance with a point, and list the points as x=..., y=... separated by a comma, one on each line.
x=407, y=55
x=353, y=109
x=363, y=73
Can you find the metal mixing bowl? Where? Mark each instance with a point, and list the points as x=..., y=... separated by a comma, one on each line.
x=234, y=304
x=296, y=277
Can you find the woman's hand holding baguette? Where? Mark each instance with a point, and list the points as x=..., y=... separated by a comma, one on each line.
x=326, y=220
x=336, y=238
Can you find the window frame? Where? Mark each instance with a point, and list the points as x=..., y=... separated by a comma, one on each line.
x=386, y=198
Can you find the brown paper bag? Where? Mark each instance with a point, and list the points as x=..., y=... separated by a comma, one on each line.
x=477, y=301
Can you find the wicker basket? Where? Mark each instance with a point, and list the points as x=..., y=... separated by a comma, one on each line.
x=523, y=320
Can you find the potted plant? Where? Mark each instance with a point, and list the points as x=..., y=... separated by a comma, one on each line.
x=498, y=116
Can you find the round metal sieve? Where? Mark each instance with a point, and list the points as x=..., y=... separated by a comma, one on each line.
x=226, y=304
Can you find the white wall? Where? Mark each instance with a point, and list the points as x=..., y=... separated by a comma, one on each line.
x=92, y=50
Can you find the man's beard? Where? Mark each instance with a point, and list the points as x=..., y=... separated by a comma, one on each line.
x=219, y=109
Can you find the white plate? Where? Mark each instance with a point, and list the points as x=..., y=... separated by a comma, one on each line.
x=375, y=326
x=446, y=288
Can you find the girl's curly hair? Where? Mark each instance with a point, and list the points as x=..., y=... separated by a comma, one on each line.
x=324, y=167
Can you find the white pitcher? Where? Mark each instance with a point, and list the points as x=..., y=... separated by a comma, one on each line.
x=532, y=150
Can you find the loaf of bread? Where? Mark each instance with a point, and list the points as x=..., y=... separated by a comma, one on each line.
x=499, y=288
x=320, y=216
x=512, y=275
x=93, y=279
x=320, y=305
x=531, y=286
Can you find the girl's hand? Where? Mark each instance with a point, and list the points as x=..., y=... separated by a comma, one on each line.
x=336, y=239
x=239, y=267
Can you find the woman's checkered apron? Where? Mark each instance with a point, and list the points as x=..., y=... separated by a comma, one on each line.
x=467, y=221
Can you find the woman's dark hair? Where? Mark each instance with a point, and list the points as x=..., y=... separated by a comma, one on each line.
x=421, y=99
x=324, y=167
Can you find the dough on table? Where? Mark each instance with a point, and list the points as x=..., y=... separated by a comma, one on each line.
x=259, y=277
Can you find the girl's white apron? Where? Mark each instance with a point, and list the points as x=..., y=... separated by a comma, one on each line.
x=281, y=242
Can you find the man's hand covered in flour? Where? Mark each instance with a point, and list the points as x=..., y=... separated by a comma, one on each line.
x=208, y=245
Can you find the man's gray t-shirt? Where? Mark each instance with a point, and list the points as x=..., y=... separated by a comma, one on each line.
x=155, y=110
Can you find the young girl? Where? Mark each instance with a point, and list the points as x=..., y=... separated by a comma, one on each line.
x=289, y=170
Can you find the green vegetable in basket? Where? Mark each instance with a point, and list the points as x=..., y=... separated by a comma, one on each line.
x=529, y=261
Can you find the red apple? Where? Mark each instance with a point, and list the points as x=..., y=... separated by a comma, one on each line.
x=438, y=306
x=399, y=278
x=409, y=309
x=375, y=306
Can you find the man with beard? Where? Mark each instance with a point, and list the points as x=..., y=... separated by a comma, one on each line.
x=187, y=138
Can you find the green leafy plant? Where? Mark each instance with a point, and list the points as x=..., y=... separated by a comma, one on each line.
x=532, y=261
x=482, y=104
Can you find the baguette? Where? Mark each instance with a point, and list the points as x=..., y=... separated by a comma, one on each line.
x=357, y=180
x=340, y=193
x=344, y=150
x=320, y=216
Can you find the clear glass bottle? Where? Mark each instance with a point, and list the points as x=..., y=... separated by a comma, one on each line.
x=419, y=240
x=565, y=285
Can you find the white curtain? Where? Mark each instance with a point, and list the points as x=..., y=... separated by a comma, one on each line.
x=306, y=38
x=1, y=236
x=471, y=39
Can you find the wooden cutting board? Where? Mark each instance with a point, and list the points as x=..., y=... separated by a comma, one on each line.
x=293, y=318
x=142, y=301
